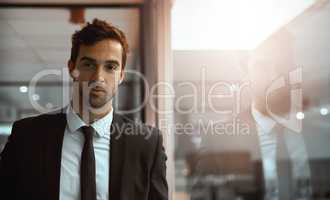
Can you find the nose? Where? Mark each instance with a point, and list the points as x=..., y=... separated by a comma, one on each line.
x=98, y=74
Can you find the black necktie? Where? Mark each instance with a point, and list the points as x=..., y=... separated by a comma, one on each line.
x=87, y=167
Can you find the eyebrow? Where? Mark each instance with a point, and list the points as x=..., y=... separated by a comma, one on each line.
x=112, y=62
x=95, y=61
x=88, y=59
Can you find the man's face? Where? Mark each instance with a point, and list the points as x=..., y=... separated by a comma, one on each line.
x=98, y=70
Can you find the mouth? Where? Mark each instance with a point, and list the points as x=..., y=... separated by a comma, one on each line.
x=98, y=90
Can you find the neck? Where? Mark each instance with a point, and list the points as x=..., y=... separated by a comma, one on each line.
x=89, y=114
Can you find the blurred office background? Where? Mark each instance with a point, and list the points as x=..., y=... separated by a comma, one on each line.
x=218, y=39
x=186, y=43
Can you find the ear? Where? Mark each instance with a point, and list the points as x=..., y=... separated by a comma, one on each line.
x=71, y=67
x=122, y=76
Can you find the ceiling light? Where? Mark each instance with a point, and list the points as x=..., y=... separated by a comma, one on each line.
x=324, y=111
x=300, y=115
x=35, y=97
x=23, y=89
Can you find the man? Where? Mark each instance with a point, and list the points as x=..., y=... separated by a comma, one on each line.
x=86, y=151
x=277, y=149
x=273, y=113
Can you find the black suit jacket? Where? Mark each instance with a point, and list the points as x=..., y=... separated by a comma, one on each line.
x=30, y=163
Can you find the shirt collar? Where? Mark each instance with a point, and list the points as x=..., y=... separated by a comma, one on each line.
x=264, y=122
x=101, y=126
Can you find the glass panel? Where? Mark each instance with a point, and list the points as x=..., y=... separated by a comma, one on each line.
x=253, y=123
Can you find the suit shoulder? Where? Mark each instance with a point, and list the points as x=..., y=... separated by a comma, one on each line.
x=140, y=131
x=22, y=129
x=36, y=119
x=143, y=126
x=143, y=140
x=30, y=126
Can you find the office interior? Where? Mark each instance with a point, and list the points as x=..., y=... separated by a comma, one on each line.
x=197, y=48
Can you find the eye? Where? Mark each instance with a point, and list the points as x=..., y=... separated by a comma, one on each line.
x=111, y=67
x=87, y=65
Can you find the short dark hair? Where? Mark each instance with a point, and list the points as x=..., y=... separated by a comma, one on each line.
x=96, y=31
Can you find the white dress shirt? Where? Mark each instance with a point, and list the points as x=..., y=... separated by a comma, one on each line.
x=267, y=142
x=73, y=142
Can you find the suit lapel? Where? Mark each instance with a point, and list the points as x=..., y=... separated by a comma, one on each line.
x=117, y=147
x=53, y=128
